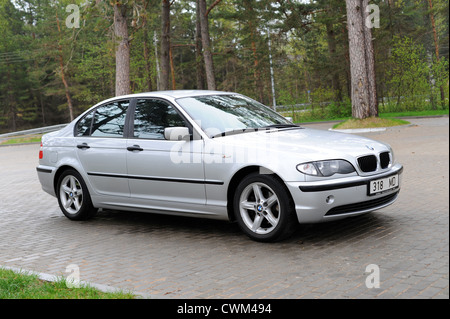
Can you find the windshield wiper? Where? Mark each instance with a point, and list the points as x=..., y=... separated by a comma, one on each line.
x=281, y=126
x=250, y=129
x=236, y=131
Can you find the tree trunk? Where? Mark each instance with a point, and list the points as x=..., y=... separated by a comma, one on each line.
x=123, y=50
x=436, y=47
x=38, y=94
x=433, y=25
x=158, y=69
x=358, y=67
x=11, y=100
x=259, y=86
x=335, y=83
x=172, y=69
x=370, y=63
x=198, y=52
x=63, y=78
x=42, y=107
x=165, y=45
x=148, y=75
x=348, y=85
x=206, y=42
x=66, y=85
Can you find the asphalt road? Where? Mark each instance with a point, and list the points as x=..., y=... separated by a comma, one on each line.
x=401, y=251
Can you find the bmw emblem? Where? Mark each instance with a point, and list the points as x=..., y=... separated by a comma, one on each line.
x=370, y=147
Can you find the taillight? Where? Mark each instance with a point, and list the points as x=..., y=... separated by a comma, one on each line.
x=41, y=152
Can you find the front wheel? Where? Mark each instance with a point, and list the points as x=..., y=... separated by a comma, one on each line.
x=73, y=196
x=264, y=209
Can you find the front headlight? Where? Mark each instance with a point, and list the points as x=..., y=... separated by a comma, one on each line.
x=326, y=168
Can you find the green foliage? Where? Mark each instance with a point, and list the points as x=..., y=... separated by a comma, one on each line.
x=408, y=73
x=339, y=110
x=414, y=77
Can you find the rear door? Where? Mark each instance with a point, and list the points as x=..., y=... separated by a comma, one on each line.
x=101, y=148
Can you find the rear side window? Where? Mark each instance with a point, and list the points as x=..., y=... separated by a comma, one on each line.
x=84, y=125
x=105, y=121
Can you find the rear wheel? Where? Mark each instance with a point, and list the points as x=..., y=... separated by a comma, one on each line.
x=73, y=196
x=264, y=209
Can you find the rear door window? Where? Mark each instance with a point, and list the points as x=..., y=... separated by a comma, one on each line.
x=109, y=120
x=84, y=125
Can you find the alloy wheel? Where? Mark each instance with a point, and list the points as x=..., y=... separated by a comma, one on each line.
x=71, y=194
x=259, y=208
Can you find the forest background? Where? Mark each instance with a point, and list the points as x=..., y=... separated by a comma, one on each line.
x=58, y=58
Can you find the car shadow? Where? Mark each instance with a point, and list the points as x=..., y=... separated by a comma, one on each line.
x=136, y=222
x=350, y=230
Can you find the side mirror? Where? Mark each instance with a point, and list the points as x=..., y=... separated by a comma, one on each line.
x=177, y=133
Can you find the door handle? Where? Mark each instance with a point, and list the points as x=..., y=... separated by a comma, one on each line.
x=134, y=148
x=83, y=146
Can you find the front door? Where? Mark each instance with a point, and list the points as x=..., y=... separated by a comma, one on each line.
x=156, y=171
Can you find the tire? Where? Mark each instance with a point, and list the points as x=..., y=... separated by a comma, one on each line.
x=73, y=196
x=264, y=209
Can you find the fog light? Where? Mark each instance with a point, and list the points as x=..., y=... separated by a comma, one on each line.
x=330, y=199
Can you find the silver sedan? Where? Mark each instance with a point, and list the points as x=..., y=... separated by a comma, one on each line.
x=214, y=155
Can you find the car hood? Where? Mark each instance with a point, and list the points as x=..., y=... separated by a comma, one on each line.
x=308, y=144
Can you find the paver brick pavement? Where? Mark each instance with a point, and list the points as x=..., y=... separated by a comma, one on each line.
x=177, y=257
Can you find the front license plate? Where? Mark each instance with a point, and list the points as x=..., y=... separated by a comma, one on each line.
x=383, y=184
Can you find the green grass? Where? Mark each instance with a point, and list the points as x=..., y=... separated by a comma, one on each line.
x=371, y=122
x=15, y=285
x=20, y=140
x=415, y=113
x=312, y=116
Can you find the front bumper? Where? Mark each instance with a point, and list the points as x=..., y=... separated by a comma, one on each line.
x=336, y=199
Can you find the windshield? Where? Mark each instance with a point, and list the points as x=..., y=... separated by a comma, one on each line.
x=220, y=114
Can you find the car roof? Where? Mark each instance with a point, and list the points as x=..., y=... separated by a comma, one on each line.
x=175, y=94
